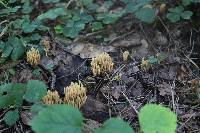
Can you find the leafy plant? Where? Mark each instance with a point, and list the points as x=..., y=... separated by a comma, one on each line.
x=67, y=119
x=35, y=90
x=178, y=12
x=13, y=95
x=156, y=118
x=58, y=118
x=175, y=14
x=13, y=48
x=11, y=117
x=114, y=125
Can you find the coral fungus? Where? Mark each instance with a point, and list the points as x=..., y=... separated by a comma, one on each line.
x=52, y=97
x=102, y=64
x=75, y=95
x=33, y=56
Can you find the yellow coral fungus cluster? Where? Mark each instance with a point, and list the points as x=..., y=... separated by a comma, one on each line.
x=102, y=64
x=46, y=44
x=33, y=56
x=125, y=55
x=145, y=65
x=75, y=95
x=52, y=97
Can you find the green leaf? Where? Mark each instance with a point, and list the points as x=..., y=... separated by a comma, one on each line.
x=58, y=29
x=89, y=5
x=50, y=1
x=13, y=94
x=131, y=8
x=18, y=48
x=27, y=26
x=36, y=72
x=146, y=14
x=2, y=45
x=109, y=18
x=186, y=14
x=186, y=2
x=6, y=51
x=58, y=119
x=27, y=8
x=97, y=26
x=52, y=14
x=178, y=9
x=49, y=66
x=72, y=29
x=11, y=117
x=35, y=91
x=83, y=17
x=5, y=87
x=152, y=60
x=173, y=17
x=36, y=108
x=157, y=119
x=115, y=125
x=35, y=37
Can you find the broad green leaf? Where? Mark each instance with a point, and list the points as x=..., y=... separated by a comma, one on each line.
x=52, y=14
x=27, y=8
x=36, y=108
x=17, y=23
x=11, y=71
x=186, y=14
x=84, y=17
x=186, y=2
x=50, y=1
x=97, y=26
x=109, y=18
x=2, y=45
x=178, y=9
x=12, y=1
x=72, y=29
x=58, y=119
x=5, y=87
x=157, y=119
x=6, y=51
x=11, y=117
x=89, y=5
x=36, y=72
x=35, y=90
x=146, y=14
x=152, y=60
x=35, y=37
x=58, y=29
x=173, y=17
x=114, y=125
x=27, y=26
x=18, y=48
x=49, y=66
x=13, y=95
x=131, y=8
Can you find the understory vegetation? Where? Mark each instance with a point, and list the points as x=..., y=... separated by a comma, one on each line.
x=100, y=66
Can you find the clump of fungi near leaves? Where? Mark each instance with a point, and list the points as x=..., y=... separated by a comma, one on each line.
x=33, y=56
x=101, y=64
x=46, y=44
x=52, y=97
x=75, y=94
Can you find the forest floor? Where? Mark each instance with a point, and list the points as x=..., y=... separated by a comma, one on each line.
x=171, y=79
